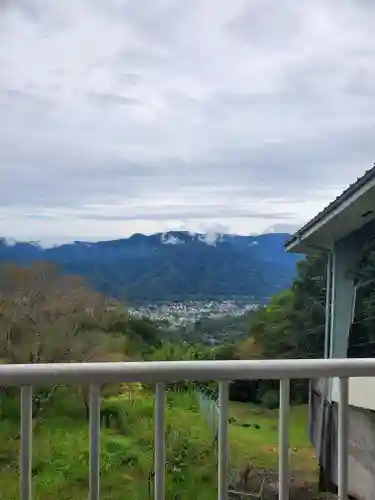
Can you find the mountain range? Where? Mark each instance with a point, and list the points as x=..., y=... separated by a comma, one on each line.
x=176, y=265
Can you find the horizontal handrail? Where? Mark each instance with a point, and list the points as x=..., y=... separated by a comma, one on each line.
x=173, y=371
x=161, y=372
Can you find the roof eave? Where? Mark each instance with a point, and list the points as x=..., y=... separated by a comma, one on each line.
x=298, y=244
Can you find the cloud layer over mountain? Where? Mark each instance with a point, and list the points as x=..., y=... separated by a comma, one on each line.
x=124, y=115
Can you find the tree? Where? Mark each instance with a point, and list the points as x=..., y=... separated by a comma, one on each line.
x=46, y=317
x=290, y=326
x=362, y=336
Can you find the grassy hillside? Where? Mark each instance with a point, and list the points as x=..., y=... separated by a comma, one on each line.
x=61, y=450
x=61, y=319
x=259, y=443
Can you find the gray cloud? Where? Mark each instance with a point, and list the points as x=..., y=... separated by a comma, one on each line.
x=204, y=112
x=200, y=213
x=271, y=32
x=105, y=99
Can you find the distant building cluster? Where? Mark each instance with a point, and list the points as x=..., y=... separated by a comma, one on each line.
x=180, y=314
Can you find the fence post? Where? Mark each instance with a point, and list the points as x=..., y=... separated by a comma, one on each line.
x=159, y=480
x=26, y=443
x=284, y=439
x=343, y=439
x=94, y=416
x=223, y=455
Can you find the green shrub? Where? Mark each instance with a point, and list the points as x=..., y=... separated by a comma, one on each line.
x=270, y=399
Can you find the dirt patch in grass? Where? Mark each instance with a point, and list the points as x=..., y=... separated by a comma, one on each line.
x=266, y=481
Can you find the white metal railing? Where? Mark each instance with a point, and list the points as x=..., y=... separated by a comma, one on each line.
x=162, y=372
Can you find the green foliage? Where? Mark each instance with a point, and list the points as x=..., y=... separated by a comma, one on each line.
x=179, y=351
x=228, y=328
x=362, y=334
x=270, y=399
x=61, y=451
x=61, y=445
x=259, y=443
x=61, y=448
x=144, y=269
x=290, y=326
x=225, y=351
x=78, y=318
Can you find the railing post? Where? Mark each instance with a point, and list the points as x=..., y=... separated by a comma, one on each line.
x=343, y=439
x=94, y=474
x=223, y=455
x=284, y=439
x=159, y=442
x=214, y=418
x=26, y=442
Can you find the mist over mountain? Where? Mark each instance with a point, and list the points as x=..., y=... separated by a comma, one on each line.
x=177, y=265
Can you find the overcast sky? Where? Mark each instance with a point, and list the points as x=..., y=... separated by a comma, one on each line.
x=124, y=116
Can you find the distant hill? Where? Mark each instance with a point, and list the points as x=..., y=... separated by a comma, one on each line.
x=177, y=265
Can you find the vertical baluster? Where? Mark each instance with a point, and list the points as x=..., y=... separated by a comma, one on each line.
x=223, y=459
x=211, y=409
x=26, y=443
x=284, y=439
x=160, y=442
x=343, y=439
x=94, y=474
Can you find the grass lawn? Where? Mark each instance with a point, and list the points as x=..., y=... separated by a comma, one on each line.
x=61, y=453
x=61, y=450
x=260, y=446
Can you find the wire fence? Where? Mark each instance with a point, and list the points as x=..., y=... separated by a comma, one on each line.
x=209, y=407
